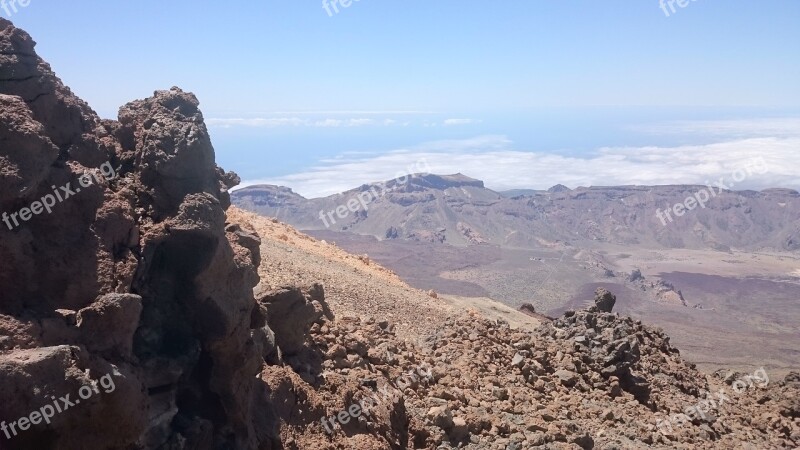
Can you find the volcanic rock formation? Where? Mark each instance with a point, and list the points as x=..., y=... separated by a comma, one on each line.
x=136, y=276
x=604, y=300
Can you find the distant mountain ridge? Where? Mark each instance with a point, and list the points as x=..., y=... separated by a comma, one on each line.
x=460, y=210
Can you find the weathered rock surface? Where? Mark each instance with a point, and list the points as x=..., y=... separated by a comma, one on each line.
x=134, y=276
x=604, y=300
x=492, y=387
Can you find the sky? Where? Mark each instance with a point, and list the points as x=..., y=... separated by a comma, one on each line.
x=519, y=93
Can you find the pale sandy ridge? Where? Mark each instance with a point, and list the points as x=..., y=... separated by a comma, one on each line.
x=355, y=285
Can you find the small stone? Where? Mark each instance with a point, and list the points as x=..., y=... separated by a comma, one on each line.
x=585, y=442
x=567, y=378
x=337, y=351
x=609, y=371
x=441, y=417
x=500, y=393
x=460, y=431
x=547, y=415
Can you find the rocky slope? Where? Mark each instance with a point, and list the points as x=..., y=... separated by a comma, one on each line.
x=459, y=210
x=590, y=379
x=204, y=335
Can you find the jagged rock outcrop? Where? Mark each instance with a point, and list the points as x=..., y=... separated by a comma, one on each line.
x=135, y=275
x=392, y=233
x=290, y=313
x=437, y=236
x=604, y=300
x=469, y=234
x=660, y=290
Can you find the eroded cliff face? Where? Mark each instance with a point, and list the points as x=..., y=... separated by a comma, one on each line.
x=136, y=274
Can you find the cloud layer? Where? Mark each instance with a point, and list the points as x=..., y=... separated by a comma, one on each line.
x=494, y=160
x=503, y=169
x=327, y=122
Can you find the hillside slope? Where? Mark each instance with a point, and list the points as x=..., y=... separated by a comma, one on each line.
x=587, y=380
x=355, y=285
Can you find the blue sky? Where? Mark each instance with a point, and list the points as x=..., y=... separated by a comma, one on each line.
x=293, y=95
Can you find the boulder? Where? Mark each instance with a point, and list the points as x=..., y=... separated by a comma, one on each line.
x=604, y=300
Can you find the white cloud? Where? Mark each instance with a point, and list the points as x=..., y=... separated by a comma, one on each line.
x=274, y=122
x=494, y=160
x=330, y=123
x=390, y=122
x=350, y=113
x=452, y=122
x=257, y=122
x=738, y=128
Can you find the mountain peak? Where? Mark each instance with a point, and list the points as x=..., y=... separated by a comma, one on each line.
x=445, y=181
x=558, y=188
